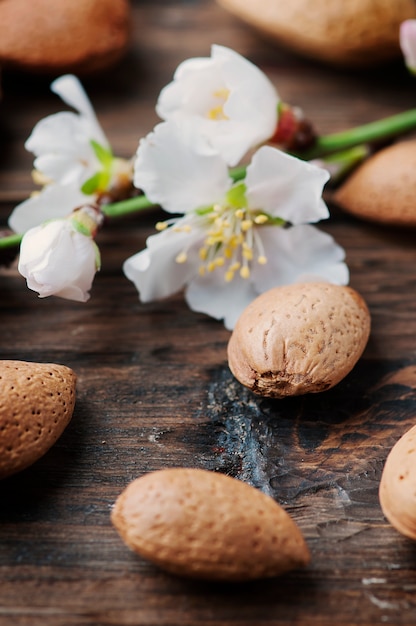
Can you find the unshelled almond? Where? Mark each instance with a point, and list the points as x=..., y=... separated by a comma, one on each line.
x=80, y=36
x=383, y=188
x=203, y=524
x=36, y=404
x=397, y=490
x=353, y=33
x=298, y=339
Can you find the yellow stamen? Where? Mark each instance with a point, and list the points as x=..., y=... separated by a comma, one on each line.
x=182, y=229
x=229, y=276
x=181, y=258
x=262, y=260
x=261, y=219
x=246, y=225
x=248, y=254
x=161, y=226
x=245, y=272
x=217, y=112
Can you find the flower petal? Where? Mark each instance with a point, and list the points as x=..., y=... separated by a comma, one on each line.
x=178, y=170
x=212, y=295
x=155, y=272
x=70, y=90
x=408, y=43
x=297, y=254
x=54, y=201
x=286, y=187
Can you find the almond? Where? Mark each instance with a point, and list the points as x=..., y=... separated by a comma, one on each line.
x=198, y=523
x=397, y=490
x=383, y=188
x=353, y=33
x=36, y=403
x=297, y=339
x=80, y=36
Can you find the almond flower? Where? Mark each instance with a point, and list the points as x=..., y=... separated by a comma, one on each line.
x=60, y=257
x=71, y=148
x=234, y=240
x=231, y=102
x=408, y=43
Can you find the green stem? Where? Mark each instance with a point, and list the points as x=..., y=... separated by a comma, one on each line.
x=125, y=207
x=374, y=131
x=10, y=241
x=340, y=164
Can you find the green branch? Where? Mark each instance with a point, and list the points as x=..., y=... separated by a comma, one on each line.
x=368, y=133
x=125, y=207
x=10, y=241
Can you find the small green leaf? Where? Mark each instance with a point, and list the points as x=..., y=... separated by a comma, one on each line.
x=104, y=155
x=236, y=196
x=92, y=184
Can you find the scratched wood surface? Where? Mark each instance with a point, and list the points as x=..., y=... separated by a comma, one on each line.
x=154, y=389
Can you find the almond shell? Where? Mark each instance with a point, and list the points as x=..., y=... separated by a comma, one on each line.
x=197, y=523
x=36, y=404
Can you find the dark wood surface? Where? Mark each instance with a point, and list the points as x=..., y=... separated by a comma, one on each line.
x=154, y=389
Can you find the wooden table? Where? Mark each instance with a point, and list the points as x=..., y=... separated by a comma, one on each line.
x=154, y=389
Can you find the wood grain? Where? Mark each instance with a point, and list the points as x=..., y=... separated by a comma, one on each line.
x=154, y=389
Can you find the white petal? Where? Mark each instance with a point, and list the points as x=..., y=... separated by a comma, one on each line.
x=298, y=254
x=72, y=93
x=179, y=171
x=408, y=43
x=54, y=201
x=155, y=272
x=212, y=295
x=286, y=187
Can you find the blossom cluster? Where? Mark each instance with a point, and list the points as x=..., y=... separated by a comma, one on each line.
x=242, y=211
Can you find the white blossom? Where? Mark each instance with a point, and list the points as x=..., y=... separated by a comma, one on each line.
x=71, y=147
x=234, y=240
x=230, y=100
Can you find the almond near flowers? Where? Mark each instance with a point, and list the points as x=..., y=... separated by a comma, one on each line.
x=36, y=403
x=297, y=339
x=198, y=523
x=383, y=188
x=341, y=32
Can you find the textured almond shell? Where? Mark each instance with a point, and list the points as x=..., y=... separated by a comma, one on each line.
x=383, y=188
x=344, y=32
x=198, y=523
x=82, y=36
x=36, y=403
x=397, y=490
x=301, y=338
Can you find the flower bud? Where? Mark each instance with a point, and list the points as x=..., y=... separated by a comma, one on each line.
x=60, y=257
